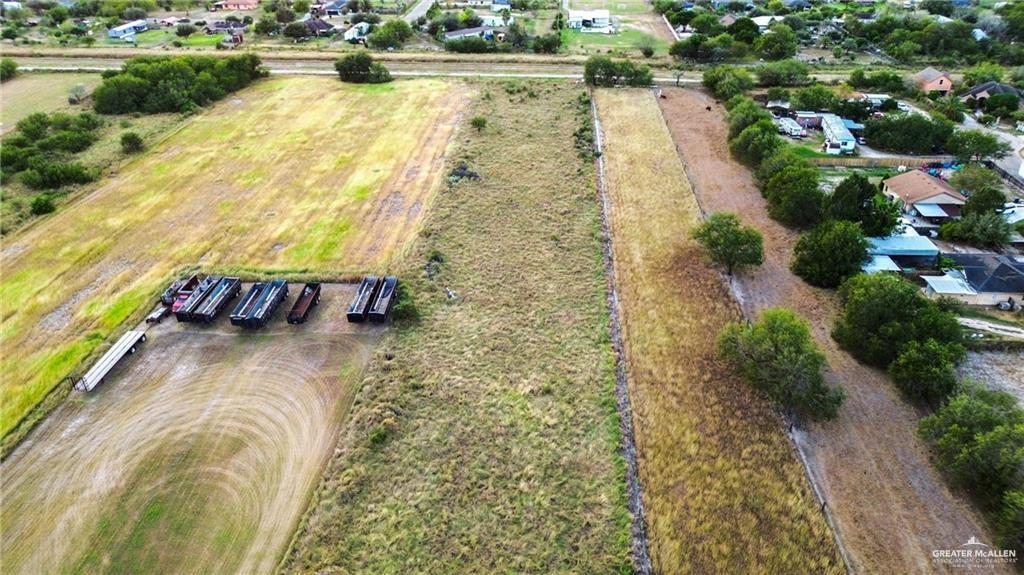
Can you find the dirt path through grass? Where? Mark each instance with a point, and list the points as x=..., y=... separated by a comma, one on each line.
x=723, y=489
x=891, y=506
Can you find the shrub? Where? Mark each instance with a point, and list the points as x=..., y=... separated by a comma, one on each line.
x=391, y=34
x=547, y=44
x=756, y=142
x=41, y=205
x=8, y=69
x=359, y=68
x=777, y=356
x=470, y=45
x=925, y=370
x=67, y=141
x=730, y=243
x=51, y=174
x=882, y=313
x=478, y=122
x=727, y=81
x=604, y=72
x=1002, y=104
x=185, y=30
x=988, y=230
x=793, y=196
x=784, y=73
x=131, y=143
x=405, y=304
x=830, y=253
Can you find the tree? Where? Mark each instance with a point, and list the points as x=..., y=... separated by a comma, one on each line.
x=976, y=146
x=925, y=370
x=284, y=15
x=744, y=113
x=391, y=34
x=1002, y=104
x=359, y=68
x=949, y=107
x=778, y=43
x=602, y=71
x=729, y=243
x=755, y=143
x=744, y=30
x=830, y=253
x=777, y=356
x=479, y=122
x=296, y=30
x=882, y=313
x=793, y=196
x=984, y=201
x=856, y=199
x=727, y=81
x=300, y=6
x=185, y=30
x=780, y=159
x=42, y=204
x=547, y=44
x=783, y=73
x=8, y=69
x=983, y=72
x=131, y=143
x=816, y=97
x=267, y=26
x=706, y=24
x=908, y=133
x=646, y=46
x=974, y=177
x=988, y=230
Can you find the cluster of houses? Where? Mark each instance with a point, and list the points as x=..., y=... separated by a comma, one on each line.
x=841, y=134
x=982, y=279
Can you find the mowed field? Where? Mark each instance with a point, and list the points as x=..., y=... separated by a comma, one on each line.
x=723, y=489
x=197, y=455
x=299, y=175
x=484, y=437
x=890, y=505
x=29, y=92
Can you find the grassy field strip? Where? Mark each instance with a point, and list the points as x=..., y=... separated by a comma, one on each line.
x=291, y=174
x=484, y=437
x=29, y=93
x=723, y=489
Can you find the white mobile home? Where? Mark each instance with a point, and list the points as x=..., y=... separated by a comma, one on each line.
x=129, y=29
x=590, y=20
x=838, y=139
x=789, y=127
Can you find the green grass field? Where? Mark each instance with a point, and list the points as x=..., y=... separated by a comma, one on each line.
x=299, y=175
x=626, y=40
x=484, y=437
x=31, y=92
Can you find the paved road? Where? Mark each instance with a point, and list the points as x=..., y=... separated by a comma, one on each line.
x=420, y=9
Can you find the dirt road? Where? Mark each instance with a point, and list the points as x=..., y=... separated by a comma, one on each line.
x=197, y=455
x=890, y=505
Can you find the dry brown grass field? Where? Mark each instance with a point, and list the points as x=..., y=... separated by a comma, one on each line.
x=302, y=175
x=484, y=437
x=28, y=93
x=724, y=491
x=890, y=506
x=197, y=455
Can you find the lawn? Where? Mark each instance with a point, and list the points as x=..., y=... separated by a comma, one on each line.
x=626, y=40
x=296, y=175
x=484, y=438
x=614, y=6
x=723, y=489
x=31, y=92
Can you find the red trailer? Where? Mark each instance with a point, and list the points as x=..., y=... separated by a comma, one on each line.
x=309, y=297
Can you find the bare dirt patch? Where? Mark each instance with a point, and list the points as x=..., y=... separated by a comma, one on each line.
x=197, y=455
x=1000, y=370
x=890, y=506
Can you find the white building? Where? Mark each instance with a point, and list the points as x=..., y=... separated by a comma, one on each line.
x=591, y=21
x=838, y=139
x=357, y=32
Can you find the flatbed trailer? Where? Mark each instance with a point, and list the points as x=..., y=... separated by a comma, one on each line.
x=384, y=301
x=124, y=346
x=265, y=307
x=365, y=294
x=308, y=297
x=158, y=313
x=226, y=290
x=187, y=310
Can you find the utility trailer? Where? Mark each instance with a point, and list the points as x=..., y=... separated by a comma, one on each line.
x=179, y=286
x=187, y=310
x=384, y=301
x=226, y=290
x=124, y=346
x=365, y=294
x=158, y=313
x=259, y=304
x=309, y=297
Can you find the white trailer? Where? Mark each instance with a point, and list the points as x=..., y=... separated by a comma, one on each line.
x=124, y=346
x=789, y=127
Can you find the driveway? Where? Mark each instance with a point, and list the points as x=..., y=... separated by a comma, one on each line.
x=420, y=9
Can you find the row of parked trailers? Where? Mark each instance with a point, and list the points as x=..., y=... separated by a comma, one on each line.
x=201, y=300
x=373, y=300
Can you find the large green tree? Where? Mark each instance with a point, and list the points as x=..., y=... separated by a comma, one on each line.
x=777, y=356
x=830, y=253
x=925, y=369
x=729, y=243
x=984, y=201
x=856, y=199
x=976, y=146
x=778, y=43
x=793, y=196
